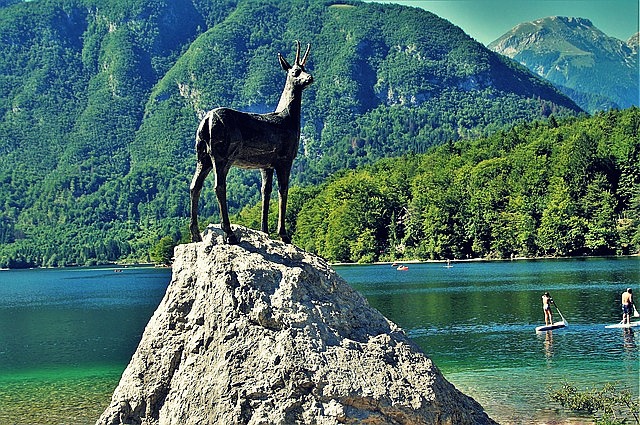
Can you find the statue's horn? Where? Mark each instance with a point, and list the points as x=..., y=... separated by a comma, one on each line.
x=297, y=52
x=306, y=55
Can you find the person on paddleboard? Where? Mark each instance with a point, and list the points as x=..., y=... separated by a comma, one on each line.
x=546, y=307
x=627, y=306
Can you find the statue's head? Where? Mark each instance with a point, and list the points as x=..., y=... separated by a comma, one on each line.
x=296, y=74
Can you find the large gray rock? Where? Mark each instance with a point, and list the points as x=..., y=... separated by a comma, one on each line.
x=265, y=333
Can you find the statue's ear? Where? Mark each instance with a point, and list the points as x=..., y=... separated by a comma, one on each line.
x=283, y=62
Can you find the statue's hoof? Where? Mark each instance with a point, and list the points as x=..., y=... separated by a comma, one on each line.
x=231, y=239
x=195, y=237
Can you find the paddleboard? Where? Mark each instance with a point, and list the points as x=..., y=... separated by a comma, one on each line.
x=621, y=325
x=556, y=325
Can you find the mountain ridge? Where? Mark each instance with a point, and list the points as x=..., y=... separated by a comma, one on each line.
x=578, y=58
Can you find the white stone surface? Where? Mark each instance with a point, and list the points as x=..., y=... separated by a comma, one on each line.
x=265, y=333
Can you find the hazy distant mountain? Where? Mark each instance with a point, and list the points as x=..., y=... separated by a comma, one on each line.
x=595, y=70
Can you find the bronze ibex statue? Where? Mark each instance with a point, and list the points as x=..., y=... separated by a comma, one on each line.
x=268, y=142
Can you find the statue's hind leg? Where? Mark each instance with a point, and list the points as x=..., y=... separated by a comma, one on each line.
x=203, y=167
x=221, y=170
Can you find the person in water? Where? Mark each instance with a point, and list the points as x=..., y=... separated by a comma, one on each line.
x=627, y=306
x=546, y=307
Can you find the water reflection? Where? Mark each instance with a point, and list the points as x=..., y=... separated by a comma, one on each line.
x=548, y=345
x=630, y=346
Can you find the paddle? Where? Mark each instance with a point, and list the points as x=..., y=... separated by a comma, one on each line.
x=635, y=312
x=560, y=313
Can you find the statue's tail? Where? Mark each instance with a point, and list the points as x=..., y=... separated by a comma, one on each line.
x=203, y=134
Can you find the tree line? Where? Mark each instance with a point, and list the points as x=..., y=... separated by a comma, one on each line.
x=549, y=188
x=538, y=189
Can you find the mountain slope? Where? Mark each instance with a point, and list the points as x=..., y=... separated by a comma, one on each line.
x=371, y=64
x=597, y=71
x=99, y=105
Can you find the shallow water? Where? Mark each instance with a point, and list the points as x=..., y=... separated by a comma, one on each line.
x=66, y=335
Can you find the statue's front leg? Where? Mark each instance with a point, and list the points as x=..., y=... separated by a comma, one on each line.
x=283, y=192
x=231, y=239
x=202, y=171
x=195, y=232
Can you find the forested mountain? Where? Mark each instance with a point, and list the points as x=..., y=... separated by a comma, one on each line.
x=537, y=189
x=99, y=102
x=597, y=71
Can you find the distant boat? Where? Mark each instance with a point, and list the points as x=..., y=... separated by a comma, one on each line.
x=448, y=265
x=402, y=268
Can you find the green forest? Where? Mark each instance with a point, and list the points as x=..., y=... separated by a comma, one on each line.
x=548, y=188
x=99, y=103
x=538, y=189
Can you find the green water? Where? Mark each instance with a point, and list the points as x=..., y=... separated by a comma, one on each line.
x=57, y=396
x=67, y=335
x=65, y=338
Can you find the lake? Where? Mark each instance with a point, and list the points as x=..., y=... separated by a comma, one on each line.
x=66, y=335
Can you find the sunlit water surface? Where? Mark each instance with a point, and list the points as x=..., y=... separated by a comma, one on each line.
x=476, y=320
x=66, y=335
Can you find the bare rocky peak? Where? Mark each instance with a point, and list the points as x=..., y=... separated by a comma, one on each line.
x=577, y=58
x=265, y=333
x=634, y=42
x=551, y=33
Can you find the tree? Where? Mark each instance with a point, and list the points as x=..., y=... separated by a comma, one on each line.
x=162, y=252
x=599, y=211
x=560, y=229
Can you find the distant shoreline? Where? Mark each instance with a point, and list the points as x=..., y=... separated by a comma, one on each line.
x=482, y=260
x=398, y=262
x=107, y=266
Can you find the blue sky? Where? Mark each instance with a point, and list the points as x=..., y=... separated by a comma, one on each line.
x=486, y=20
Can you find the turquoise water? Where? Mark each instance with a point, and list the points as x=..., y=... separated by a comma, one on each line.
x=476, y=320
x=66, y=335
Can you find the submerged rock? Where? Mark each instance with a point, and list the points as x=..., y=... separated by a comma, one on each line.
x=266, y=333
